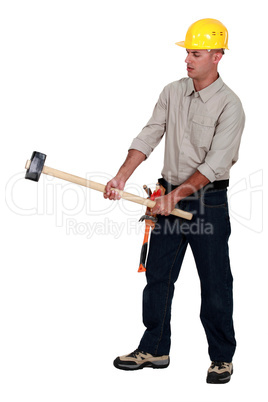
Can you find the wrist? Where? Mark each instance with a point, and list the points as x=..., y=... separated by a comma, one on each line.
x=121, y=177
x=174, y=196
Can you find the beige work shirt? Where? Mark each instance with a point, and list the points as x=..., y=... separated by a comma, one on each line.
x=203, y=130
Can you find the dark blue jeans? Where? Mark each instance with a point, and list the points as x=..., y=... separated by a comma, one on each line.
x=207, y=234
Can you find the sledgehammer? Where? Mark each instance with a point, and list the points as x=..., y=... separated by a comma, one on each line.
x=36, y=165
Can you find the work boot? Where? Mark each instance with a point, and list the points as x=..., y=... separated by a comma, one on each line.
x=138, y=360
x=219, y=373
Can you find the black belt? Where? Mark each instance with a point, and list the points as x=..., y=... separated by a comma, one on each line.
x=216, y=185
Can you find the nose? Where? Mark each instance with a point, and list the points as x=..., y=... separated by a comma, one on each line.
x=187, y=60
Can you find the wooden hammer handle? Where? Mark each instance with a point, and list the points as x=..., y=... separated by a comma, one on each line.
x=101, y=187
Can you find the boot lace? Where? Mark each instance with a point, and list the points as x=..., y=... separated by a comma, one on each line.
x=136, y=353
x=220, y=365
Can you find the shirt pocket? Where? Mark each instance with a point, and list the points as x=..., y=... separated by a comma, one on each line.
x=202, y=131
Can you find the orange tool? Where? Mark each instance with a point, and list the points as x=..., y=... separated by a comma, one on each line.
x=150, y=221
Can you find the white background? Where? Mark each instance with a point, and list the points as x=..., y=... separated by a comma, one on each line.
x=79, y=80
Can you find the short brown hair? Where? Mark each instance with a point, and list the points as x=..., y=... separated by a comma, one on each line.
x=216, y=51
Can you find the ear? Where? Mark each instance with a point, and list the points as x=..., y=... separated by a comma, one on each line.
x=217, y=57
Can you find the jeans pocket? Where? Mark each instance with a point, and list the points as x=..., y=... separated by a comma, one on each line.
x=214, y=199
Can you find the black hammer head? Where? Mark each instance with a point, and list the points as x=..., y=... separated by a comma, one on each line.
x=36, y=166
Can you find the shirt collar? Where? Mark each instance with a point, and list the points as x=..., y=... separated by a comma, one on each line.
x=206, y=93
x=189, y=87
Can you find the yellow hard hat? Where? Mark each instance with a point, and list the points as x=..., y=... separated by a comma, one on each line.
x=206, y=34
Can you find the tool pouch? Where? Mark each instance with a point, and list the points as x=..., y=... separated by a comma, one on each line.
x=150, y=221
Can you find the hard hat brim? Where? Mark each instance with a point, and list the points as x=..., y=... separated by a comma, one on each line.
x=182, y=44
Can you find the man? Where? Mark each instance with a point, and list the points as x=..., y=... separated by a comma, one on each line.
x=202, y=120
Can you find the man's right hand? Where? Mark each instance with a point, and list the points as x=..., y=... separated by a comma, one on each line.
x=114, y=183
x=133, y=160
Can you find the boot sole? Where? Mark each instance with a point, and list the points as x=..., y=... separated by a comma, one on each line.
x=131, y=367
x=216, y=379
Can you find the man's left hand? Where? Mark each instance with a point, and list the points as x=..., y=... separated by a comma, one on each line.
x=164, y=205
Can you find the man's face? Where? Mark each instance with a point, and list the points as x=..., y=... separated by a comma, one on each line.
x=200, y=63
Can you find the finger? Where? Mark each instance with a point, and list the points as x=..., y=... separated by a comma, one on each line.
x=116, y=195
x=156, y=209
x=106, y=193
x=111, y=195
x=163, y=212
x=109, y=191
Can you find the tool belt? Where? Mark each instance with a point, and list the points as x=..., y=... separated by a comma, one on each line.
x=216, y=185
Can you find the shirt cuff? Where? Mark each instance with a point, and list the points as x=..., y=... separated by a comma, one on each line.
x=206, y=170
x=141, y=146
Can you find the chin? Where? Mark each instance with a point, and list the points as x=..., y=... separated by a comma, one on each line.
x=190, y=74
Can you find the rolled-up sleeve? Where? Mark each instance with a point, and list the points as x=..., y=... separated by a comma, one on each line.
x=224, y=149
x=152, y=133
